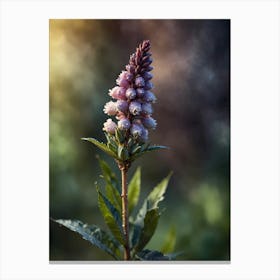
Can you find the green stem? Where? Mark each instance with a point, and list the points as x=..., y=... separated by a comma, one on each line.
x=125, y=224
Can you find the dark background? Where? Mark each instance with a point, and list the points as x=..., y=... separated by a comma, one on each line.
x=192, y=84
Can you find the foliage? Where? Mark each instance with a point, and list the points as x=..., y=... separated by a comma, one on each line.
x=143, y=224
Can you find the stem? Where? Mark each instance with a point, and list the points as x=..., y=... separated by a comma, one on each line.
x=125, y=213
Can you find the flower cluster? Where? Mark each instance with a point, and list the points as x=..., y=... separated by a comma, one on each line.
x=133, y=105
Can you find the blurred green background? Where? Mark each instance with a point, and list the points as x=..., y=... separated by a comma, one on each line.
x=192, y=84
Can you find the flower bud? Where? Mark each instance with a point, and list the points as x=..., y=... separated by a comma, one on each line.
x=118, y=93
x=147, y=108
x=135, y=108
x=109, y=126
x=147, y=76
x=136, y=130
x=122, y=106
x=122, y=80
x=124, y=124
x=144, y=135
x=110, y=108
x=149, y=97
x=130, y=93
x=140, y=92
x=149, y=122
x=139, y=82
x=148, y=85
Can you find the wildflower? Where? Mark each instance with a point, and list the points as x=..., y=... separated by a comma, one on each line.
x=139, y=82
x=133, y=107
x=147, y=108
x=149, y=97
x=122, y=106
x=149, y=122
x=136, y=130
x=110, y=108
x=110, y=126
x=124, y=124
x=130, y=93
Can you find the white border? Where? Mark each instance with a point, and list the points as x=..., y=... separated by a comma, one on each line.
x=254, y=138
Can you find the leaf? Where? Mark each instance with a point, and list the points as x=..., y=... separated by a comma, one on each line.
x=148, y=255
x=112, y=217
x=150, y=203
x=101, y=146
x=134, y=190
x=94, y=235
x=150, y=225
x=113, y=189
x=147, y=149
x=157, y=194
x=169, y=243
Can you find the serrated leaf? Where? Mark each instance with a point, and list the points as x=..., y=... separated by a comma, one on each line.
x=150, y=225
x=111, y=216
x=94, y=235
x=101, y=146
x=134, y=190
x=169, y=243
x=148, y=255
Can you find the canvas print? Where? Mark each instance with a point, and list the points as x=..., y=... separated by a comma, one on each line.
x=139, y=140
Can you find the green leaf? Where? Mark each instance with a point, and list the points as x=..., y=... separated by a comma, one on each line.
x=150, y=225
x=150, y=203
x=157, y=194
x=147, y=149
x=134, y=190
x=169, y=243
x=113, y=189
x=148, y=255
x=112, y=217
x=94, y=235
x=101, y=146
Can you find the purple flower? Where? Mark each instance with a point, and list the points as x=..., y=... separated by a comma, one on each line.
x=130, y=93
x=122, y=79
x=122, y=106
x=135, y=108
x=144, y=135
x=118, y=93
x=136, y=130
x=124, y=124
x=147, y=76
x=140, y=92
x=147, y=108
x=109, y=126
x=148, y=86
x=149, y=122
x=139, y=82
x=110, y=108
x=149, y=97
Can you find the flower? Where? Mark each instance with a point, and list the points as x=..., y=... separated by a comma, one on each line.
x=133, y=108
x=147, y=108
x=110, y=108
x=149, y=122
x=136, y=130
x=149, y=97
x=124, y=124
x=122, y=106
x=110, y=126
x=130, y=93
